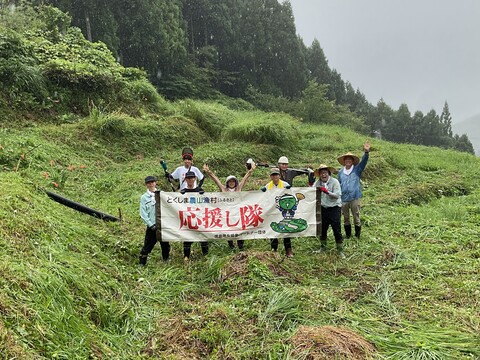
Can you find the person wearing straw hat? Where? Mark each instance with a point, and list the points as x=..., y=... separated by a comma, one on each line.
x=276, y=183
x=232, y=185
x=147, y=213
x=349, y=178
x=331, y=203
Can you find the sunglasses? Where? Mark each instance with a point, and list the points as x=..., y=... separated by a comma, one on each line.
x=187, y=157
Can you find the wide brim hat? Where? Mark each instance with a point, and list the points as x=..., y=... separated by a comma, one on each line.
x=323, y=166
x=231, y=177
x=341, y=159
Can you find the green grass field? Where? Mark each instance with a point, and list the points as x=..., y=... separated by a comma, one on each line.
x=71, y=287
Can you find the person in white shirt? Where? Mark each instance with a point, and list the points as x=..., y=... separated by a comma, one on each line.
x=179, y=173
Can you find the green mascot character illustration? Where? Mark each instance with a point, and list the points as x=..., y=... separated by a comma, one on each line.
x=287, y=204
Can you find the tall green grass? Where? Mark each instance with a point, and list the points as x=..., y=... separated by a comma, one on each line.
x=70, y=286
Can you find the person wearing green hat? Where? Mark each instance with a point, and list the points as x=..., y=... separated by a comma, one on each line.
x=147, y=213
x=349, y=178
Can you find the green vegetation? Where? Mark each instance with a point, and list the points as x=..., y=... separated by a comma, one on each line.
x=70, y=286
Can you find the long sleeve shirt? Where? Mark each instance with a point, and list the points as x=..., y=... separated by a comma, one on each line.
x=147, y=208
x=289, y=174
x=350, y=183
x=333, y=198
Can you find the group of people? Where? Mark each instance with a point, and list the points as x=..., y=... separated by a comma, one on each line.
x=339, y=197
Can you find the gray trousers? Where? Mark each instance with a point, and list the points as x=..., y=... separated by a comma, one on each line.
x=354, y=207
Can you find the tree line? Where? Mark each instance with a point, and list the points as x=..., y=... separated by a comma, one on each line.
x=245, y=49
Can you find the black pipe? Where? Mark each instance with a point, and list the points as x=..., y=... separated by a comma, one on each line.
x=82, y=208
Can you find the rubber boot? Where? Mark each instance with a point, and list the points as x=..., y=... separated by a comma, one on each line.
x=340, y=251
x=204, y=245
x=143, y=260
x=231, y=245
x=323, y=245
x=348, y=231
x=274, y=244
x=358, y=229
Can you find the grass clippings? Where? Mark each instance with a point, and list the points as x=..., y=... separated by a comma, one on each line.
x=328, y=342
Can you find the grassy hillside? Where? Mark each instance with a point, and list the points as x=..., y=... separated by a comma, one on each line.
x=71, y=287
x=471, y=127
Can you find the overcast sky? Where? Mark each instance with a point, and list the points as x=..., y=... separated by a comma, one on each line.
x=418, y=52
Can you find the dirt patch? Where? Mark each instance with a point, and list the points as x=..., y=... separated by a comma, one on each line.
x=362, y=289
x=9, y=347
x=328, y=342
x=175, y=343
x=238, y=265
x=388, y=256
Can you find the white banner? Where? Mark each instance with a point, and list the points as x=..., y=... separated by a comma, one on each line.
x=275, y=213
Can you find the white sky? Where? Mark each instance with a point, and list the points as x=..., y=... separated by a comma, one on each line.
x=417, y=52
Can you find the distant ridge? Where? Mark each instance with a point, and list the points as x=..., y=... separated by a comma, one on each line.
x=471, y=127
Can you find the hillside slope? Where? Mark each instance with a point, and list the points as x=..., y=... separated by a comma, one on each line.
x=71, y=286
x=471, y=127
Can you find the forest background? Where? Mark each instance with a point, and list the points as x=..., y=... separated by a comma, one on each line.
x=248, y=50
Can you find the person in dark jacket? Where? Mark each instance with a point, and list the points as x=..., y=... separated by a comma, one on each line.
x=190, y=180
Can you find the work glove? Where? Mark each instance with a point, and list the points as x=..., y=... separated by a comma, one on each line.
x=263, y=189
x=153, y=227
x=288, y=186
x=201, y=191
x=167, y=174
x=324, y=189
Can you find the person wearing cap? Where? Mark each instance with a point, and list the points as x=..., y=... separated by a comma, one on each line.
x=277, y=183
x=231, y=185
x=179, y=173
x=349, y=178
x=147, y=213
x=190, y=181
x=287, y=174
x=331, y=203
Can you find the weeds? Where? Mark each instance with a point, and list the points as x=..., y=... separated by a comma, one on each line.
x=71, y=285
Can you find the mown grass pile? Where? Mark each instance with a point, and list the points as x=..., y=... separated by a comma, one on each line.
x=71, y=287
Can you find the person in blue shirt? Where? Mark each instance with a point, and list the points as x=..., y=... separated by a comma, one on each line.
x=349, y=178
x=147, y=213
